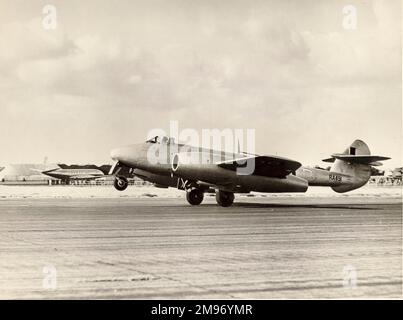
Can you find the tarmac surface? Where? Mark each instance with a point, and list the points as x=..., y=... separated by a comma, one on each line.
x=260, y=248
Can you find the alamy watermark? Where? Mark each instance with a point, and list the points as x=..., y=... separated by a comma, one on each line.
x=349, y=277
x=49, y=281
x=49, y=21
x=349, y=21
x=211, y=146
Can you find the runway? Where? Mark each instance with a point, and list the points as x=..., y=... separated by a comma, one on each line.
x=163, y=248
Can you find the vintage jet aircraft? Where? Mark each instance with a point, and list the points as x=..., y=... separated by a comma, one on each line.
x=68, y=175
x=222, y=172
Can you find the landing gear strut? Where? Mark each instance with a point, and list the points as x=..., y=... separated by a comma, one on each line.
x=224, y=198
x=194, y=196
x=121, y=183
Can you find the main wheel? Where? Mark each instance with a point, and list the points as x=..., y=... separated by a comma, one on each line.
x=121, y=183
x=224, y=198
x=194, y=197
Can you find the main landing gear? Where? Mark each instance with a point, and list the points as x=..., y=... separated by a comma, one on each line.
x=120, y=183
x=224, y=198
x=195, y=197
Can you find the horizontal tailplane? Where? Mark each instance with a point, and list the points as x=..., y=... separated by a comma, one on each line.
x=362, y=159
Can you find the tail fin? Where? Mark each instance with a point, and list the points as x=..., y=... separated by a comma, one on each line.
x=356, y=162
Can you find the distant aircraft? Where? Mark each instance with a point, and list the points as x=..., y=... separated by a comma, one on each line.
x=350, y=170
x=67, y=175
x=397, y=173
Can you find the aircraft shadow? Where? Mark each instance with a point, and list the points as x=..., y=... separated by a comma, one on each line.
x=306, y=206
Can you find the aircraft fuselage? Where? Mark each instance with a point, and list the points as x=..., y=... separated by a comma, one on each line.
x=148, y=164
x=199, y=170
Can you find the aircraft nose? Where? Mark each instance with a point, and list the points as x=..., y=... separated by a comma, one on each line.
x=125, y=153
x=115, y=153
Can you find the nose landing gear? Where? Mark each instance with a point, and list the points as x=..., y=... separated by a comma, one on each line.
x=120, y=183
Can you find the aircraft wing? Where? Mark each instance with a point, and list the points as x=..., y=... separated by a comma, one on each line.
x=269, y=166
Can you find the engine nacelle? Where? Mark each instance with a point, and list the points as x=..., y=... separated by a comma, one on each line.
x=188, y=167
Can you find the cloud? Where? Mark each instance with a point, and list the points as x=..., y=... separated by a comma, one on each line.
x=27, y=41
x=289, y=70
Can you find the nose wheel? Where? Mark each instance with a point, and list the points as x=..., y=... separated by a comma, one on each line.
x=194, y=196
x=120, y=183
x=224, y=198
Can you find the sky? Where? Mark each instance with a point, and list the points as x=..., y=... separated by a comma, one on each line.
x=111, y=71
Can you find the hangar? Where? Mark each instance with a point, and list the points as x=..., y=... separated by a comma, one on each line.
x=26, y=174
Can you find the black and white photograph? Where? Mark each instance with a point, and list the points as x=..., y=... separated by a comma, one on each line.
x=201, y=150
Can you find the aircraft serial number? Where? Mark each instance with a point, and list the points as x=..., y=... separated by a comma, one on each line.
x=334, y=177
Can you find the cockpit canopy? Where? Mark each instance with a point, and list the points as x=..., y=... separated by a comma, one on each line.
x=161, y=140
